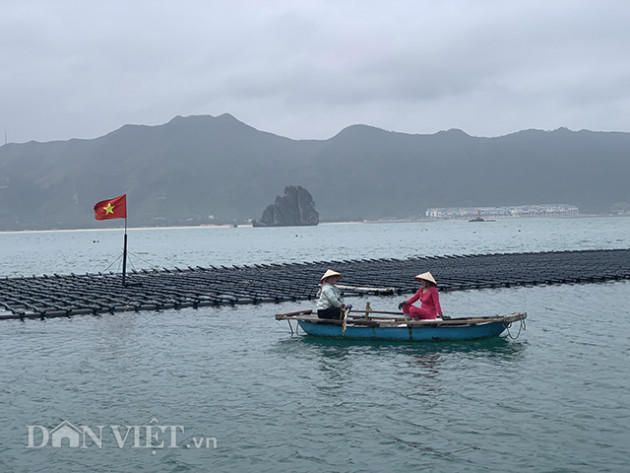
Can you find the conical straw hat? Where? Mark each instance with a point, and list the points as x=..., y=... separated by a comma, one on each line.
x=330, y=273
x=426, y=276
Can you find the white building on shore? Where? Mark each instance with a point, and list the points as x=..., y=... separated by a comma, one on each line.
x=513, y=211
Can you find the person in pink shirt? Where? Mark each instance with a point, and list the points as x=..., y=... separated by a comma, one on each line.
x=428, y=297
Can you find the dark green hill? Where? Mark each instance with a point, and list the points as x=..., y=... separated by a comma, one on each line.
x=191, y=168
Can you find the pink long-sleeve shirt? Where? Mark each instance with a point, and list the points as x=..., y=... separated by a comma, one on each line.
x=430, y=300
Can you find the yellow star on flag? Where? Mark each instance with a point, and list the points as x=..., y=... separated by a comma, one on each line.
x=109, y=209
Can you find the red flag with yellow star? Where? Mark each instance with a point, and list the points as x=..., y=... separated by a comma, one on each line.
x=111, y=208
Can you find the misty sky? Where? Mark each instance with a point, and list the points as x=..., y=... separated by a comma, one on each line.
x=309, y=68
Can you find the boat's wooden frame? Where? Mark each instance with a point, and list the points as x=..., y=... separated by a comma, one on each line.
x=370, y=324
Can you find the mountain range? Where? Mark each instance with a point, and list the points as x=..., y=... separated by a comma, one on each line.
x=204, y=169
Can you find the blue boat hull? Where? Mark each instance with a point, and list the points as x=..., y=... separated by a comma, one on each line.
x=405, y=333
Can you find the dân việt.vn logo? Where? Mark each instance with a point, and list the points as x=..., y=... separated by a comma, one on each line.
x=143, y=436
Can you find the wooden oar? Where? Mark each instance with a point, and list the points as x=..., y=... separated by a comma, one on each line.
x=361, y=311
x=376, y=290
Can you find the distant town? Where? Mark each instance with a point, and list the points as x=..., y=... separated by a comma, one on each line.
x=513, y=211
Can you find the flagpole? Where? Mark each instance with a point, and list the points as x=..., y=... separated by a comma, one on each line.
x=124, y=269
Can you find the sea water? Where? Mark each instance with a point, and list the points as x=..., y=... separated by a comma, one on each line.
x=231, y=389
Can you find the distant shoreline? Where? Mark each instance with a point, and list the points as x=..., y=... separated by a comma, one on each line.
x=110, y=229
x=354, y=222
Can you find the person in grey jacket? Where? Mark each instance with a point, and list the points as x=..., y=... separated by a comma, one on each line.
x=330, y=301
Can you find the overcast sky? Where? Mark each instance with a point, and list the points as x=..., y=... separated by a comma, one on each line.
x=309, y=68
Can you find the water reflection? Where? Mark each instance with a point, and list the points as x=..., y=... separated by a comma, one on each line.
x=425, y=365
x=408, y=373
x=116, y=334
x=333, y=347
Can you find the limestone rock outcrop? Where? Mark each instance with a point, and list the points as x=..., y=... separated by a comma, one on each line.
x=296, y=207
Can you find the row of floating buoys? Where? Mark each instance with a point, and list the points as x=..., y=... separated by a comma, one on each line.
x=64, y=296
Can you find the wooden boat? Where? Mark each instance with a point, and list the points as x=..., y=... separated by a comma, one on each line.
x=479, y=219
x=375, y=325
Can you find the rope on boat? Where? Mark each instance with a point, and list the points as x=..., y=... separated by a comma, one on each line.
x=291, y=326
x=345, y=320
x=522, y=326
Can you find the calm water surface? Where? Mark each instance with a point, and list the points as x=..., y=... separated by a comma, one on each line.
x=25, y=253
x=557, y=399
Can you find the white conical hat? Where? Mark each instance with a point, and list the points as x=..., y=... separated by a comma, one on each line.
x=426, y=276
x=330, y=273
